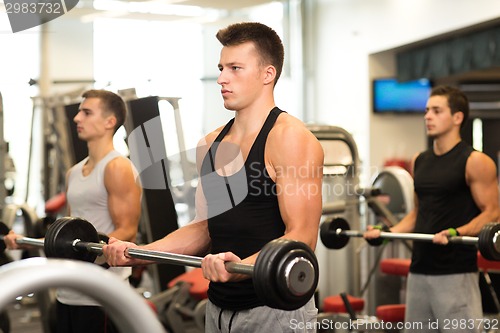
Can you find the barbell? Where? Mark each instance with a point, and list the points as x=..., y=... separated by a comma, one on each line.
x=285, y=274
x=101, y=238
x=335, y=234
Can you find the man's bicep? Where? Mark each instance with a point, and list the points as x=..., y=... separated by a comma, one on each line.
x=124, y=194
x=201, y=207
x=483, y=182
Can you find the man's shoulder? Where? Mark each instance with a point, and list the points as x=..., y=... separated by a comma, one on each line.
x=77, y=165
x=290, y=138
x=118, y=162
x=478, y=158
x=287, y=127
x=209, y=138
x=205, y=142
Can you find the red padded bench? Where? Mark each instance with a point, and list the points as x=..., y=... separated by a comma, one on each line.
x=55, y=204
x=393, y=312
x=198, y=284
x=487, y=265
x=335, y=304
x=395, y=266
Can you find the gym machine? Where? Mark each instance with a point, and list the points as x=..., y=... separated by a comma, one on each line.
x=146, y=142
x=393, y=200
x=341, y=197
x=396, y=184
x=127, y=309
x=21, y=217
x=388, y=200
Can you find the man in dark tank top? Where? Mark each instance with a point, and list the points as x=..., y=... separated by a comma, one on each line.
x=456, y=193
x=260, y=179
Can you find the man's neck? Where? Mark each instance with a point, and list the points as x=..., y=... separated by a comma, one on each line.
x=251, y=119
x=444, y=144
x=99, y=149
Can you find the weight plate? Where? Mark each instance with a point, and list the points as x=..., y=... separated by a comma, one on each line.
x=489, y=242
x=49, y=252
x=103, y=238
x=298, y=275
x=272, y=280
x=64, y=232
x=329, y=236
x=49, y=240
x=263, y=280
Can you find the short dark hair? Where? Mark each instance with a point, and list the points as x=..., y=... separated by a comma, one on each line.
x=457, y=100
x=110, y=102
x=266, y=41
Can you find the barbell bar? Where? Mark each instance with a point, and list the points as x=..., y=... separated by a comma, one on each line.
x=27, y=241
x=335, y=234
x=285, y=274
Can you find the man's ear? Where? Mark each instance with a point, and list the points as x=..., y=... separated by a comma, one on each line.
x=110, y=122
x=270, y=74
x=458, y=117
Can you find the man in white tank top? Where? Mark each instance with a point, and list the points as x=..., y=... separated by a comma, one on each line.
x=104, y=189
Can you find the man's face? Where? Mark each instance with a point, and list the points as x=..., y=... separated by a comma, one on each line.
x=241, y=76
x=90, y=120
x=438, y=117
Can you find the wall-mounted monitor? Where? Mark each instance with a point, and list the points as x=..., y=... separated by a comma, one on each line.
x=391, y=96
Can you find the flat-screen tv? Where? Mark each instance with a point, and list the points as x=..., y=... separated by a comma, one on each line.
x=392, y=96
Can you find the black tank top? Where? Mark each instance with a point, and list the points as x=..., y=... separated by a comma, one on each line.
x=243, y=213
x=444, y=201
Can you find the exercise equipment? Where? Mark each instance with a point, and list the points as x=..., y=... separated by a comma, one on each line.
x=341, y=194
x=146, y=140
x=396, y=184
x=335, y=234
x=126, y=308
x=185, y=311
x=285, y=274
x=41, y=243
x=181, y=307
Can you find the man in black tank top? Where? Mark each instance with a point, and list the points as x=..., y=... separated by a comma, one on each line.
x=260, y=179
x=456, y=193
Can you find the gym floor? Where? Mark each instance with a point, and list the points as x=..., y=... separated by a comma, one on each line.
x=25, y=316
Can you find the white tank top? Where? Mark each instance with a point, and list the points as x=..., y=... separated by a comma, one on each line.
x=88, y=198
